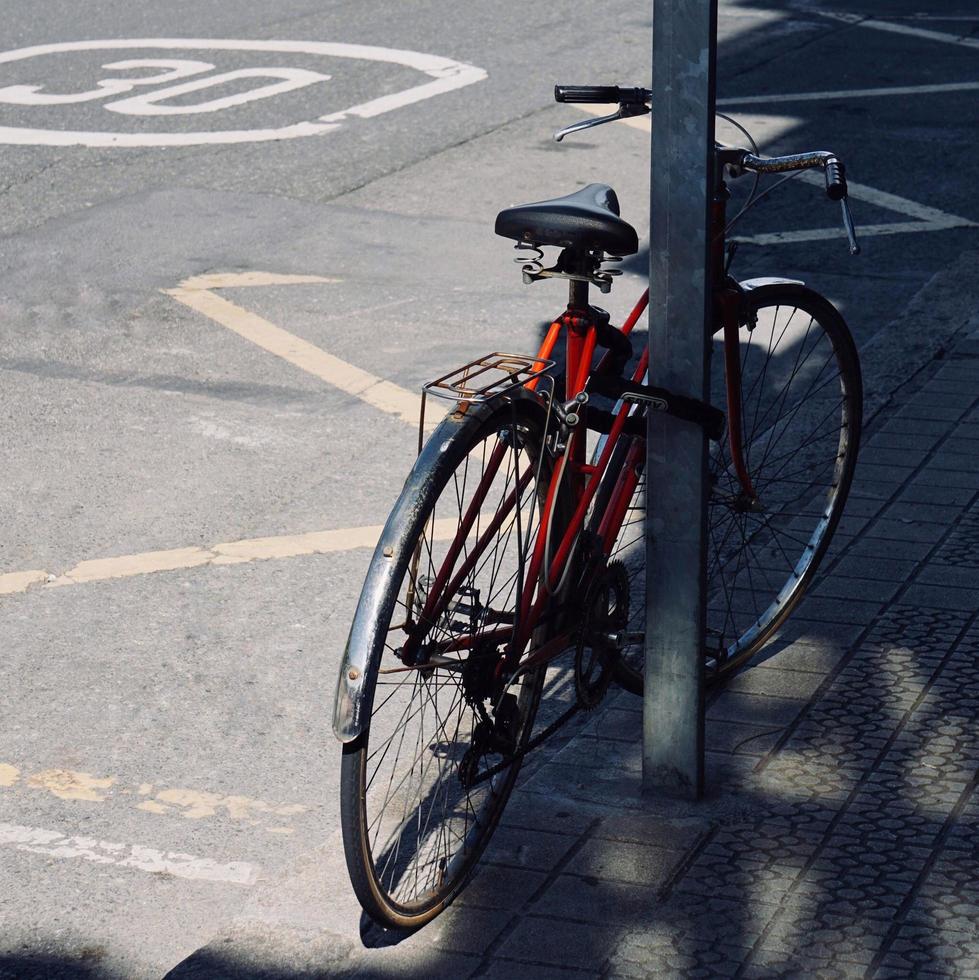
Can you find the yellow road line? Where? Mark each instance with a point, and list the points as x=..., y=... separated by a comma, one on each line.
x=175, y=801
x=224, y=553
x=197, y=293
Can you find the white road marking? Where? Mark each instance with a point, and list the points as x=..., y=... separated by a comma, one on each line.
x=106, y=87
x=883, y=25
x=926, y=218
x=764, y=127
x=225, y=553
x=147, y=103
x=375, y=391
x=54, y=843
x=855, y=93
x=446, y=75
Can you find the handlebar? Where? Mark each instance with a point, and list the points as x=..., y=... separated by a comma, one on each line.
x=834, y=174
x=598, y=94
x=635, y=101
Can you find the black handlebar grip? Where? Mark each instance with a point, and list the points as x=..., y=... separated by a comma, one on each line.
x=586, y=93
x=835, y=179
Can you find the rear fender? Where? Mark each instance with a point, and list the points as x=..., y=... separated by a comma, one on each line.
x=355, y=684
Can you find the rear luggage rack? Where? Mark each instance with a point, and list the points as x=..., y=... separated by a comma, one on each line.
x=487, y=377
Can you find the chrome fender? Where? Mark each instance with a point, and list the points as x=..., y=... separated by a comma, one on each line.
x=749, y=284
x=387, y=568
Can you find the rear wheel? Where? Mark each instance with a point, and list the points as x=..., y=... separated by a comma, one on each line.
x=801, y=405
x=416, y=807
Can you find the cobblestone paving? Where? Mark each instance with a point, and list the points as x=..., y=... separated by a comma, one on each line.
x=841, y=833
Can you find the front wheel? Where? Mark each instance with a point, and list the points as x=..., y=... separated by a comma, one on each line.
x=801, y=409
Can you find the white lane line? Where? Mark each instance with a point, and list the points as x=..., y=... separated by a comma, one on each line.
x=197, y=294
x=926, y=218
x=767, y=127
x=53, y=843
x=225, y=553
x=854, y=93
x=827, y=234
x=882, y=25
x=892, y=202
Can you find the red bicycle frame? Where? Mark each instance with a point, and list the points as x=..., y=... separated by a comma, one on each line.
x=539, y=583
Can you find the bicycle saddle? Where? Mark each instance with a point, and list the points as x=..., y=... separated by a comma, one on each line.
x=587, y=219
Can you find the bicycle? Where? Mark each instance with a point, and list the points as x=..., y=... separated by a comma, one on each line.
x=505, y=592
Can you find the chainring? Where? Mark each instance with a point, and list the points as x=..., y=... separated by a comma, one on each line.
x=606, y=614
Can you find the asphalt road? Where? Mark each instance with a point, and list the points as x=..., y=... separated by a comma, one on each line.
x=166, y=745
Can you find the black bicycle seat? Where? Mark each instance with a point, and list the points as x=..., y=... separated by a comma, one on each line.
x=587, y=219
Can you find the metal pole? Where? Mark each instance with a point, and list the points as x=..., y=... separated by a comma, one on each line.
x=684, y=54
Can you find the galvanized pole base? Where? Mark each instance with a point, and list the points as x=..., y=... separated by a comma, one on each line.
x=684, y=49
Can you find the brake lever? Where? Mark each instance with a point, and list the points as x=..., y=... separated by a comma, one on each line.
x=624, y=112
x=848, y=225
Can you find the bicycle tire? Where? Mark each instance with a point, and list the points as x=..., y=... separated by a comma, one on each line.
x=739, y=621
x=408, y=863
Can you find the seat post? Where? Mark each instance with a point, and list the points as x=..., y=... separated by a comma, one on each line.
x=578, y=294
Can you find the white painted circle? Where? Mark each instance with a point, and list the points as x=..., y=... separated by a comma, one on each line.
x=444, y=76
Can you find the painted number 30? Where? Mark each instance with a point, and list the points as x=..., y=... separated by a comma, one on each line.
x=149, y=103
x=165, y=86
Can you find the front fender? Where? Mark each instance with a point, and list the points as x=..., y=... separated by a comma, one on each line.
x=749, y=284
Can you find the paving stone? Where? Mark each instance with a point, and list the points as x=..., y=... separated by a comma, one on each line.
x=504, y=969
x=957, y=462
x=878, y=590
x=905, y=440
x=890, y=569
x=916, y=426
x=902, y=549
x=560, y=942
x=941, y=597
x=932, y=410
x=675, y=960
x=463, y=929
x=496, y=887
x=941, y=476
x=602, y=752
x=864, y=487
x=618, y=724
x=705, y=921
x=762, y=709
x=925, y=493
x=779, y=683
x=538, y=811
x=741, y=738
x=923, y=949
x=960, y=444
x=813, y=927
x=768, y=964
x=930, y=513
x=851, y=612
x=906, y=530
x=892, y=476
x=536, y=850
x=961, y=547
x=630, y=862
x=600, y=901
x=645, y=828
x=882, y=456
x=809, y=656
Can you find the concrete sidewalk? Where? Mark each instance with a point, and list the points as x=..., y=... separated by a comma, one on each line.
x=840, y=836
